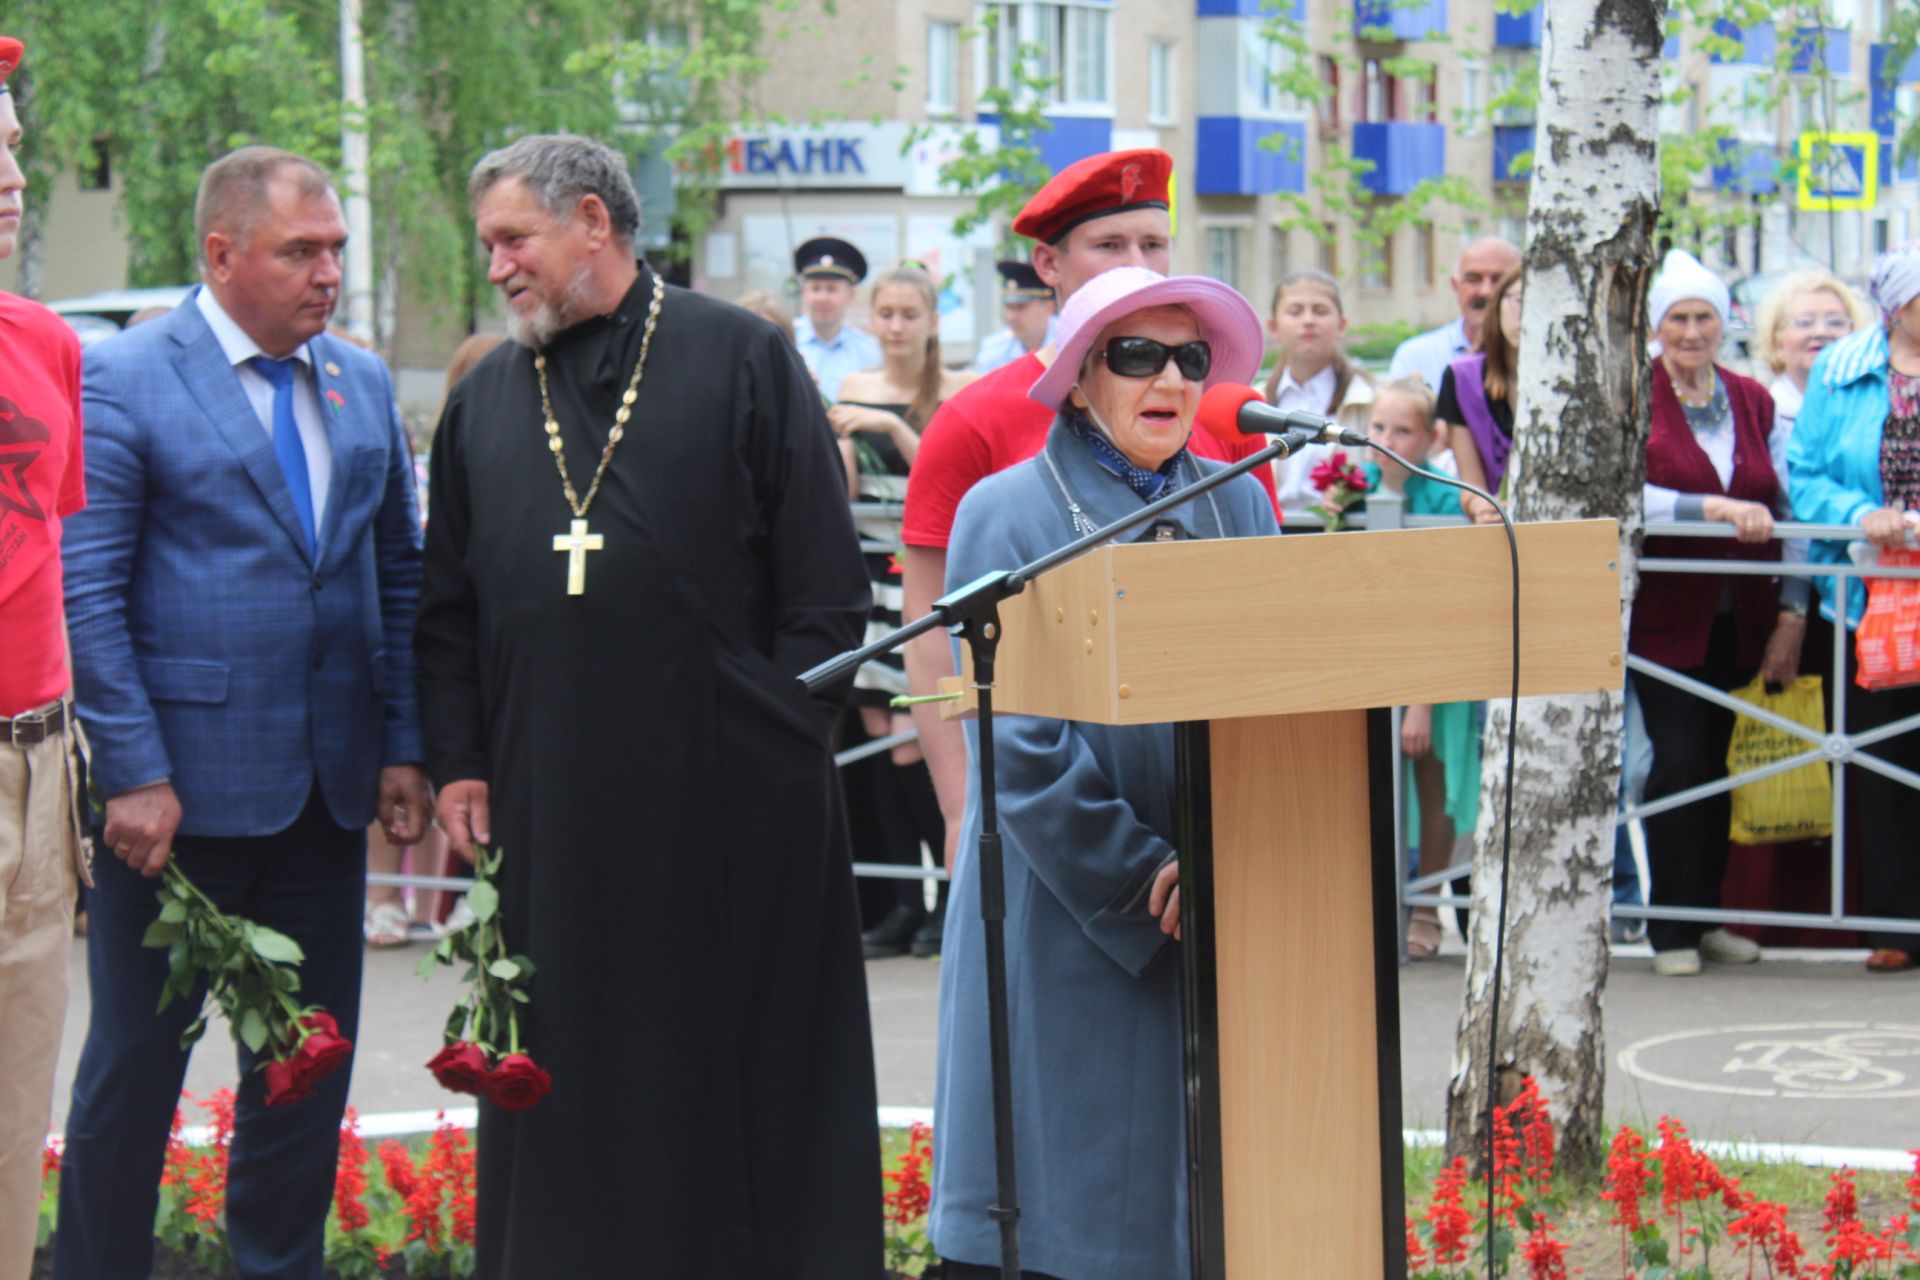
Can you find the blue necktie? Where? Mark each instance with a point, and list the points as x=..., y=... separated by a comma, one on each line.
x=286, y=441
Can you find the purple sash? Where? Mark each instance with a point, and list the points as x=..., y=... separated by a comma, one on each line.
x=1469, y=388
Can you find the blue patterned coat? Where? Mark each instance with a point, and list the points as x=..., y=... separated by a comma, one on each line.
x=208, y=646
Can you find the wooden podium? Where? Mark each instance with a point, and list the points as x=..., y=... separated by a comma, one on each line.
x=1275, y=659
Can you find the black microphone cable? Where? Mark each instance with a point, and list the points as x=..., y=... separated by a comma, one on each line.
x=1506, y=816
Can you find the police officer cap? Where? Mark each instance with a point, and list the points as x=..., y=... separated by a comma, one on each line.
x=1023, y=283
x=825, y=257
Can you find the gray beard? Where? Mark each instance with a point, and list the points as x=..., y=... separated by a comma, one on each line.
x=549, y=320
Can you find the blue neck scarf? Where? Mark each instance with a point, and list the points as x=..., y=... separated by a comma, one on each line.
x=1148, y=484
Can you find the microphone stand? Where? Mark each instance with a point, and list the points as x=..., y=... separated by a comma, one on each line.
x=973, y=613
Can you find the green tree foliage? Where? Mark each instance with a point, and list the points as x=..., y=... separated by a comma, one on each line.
x=168, y=85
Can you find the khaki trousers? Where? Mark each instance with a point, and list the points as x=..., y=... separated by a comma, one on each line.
x=39, y=851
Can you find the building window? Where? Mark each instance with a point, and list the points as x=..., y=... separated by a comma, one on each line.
x=1072, y=44
x=1376, y=264
x=1329, y=241
x=1224, y=252
x=1473, y=99
x=1513, y=229
x=1376, y=93
x=1264, y=63
x=1279, y=254
x=1330, y=99
x=943, y=67
x=1160, y=82
x=1881, y=235
x=1423, y=255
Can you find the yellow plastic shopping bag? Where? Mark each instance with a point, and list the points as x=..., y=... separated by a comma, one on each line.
x=1797, y=804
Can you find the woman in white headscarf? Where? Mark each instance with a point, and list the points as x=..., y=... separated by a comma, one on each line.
x=1707, y=459
x=1855, y=459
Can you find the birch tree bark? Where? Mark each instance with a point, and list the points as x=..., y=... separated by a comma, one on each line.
x=1580, y=435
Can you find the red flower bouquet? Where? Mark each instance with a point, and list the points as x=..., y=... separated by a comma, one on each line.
x=1338, y=482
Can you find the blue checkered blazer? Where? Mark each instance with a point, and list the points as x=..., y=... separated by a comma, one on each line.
x=208, y=646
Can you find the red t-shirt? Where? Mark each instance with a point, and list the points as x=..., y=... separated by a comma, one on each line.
x=989, y=426
x=41, y=481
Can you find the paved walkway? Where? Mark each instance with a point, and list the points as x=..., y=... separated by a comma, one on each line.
x=1793, y=1050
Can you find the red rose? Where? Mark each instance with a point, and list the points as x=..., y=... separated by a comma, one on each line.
x=516, y=1083
x=285, y=1083
x=323, y=1048
x=317, y=1055
x=462, y=1068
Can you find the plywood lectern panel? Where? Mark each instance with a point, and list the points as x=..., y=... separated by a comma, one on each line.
x=1300, y=1147
x=1148, y=633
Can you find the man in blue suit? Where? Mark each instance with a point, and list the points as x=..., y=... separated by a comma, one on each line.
x=241, y=593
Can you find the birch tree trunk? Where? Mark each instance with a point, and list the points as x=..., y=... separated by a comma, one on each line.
x=1580, y=436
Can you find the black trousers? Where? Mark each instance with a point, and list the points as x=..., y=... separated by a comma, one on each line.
x=1885, y=813
x=1687, y=848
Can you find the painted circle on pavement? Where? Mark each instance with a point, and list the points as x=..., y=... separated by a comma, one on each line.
x=1832, y=1061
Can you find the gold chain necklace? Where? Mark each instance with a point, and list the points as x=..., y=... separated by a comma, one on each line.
x=577, y=541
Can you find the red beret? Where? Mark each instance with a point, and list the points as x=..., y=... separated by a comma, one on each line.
x=11, y=51
x=1112, y=182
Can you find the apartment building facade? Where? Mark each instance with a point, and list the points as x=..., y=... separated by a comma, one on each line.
x=877, y=95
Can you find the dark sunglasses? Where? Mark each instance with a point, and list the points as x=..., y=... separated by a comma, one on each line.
x=1145, y=358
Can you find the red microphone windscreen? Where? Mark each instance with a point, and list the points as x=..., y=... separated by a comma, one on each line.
x=1220, y=408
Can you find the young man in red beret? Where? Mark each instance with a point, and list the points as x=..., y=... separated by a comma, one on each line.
x=1106, y=211
x=40, y=851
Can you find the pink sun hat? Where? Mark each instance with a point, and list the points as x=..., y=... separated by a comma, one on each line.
x=1228, y=323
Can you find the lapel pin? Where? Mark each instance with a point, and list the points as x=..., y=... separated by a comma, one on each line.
x=333, y=370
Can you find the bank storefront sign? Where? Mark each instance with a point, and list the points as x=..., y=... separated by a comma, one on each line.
x=842, y=155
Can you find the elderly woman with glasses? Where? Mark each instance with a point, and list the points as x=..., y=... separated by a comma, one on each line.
x=1086, y=816
x=1855, y=459
x=1805, y=314
x=1708, y=458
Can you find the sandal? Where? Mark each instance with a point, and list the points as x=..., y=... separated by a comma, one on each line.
x=386, y=925
x=1423, y=935
x=1891, y=960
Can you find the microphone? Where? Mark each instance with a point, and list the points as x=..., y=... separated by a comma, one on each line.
x=1231, y=408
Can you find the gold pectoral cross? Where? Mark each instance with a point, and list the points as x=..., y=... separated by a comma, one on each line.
x=576, y=544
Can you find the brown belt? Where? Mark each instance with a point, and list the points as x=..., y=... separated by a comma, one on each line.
x=35, y=726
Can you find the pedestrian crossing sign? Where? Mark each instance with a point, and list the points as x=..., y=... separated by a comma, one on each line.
x=1839, y=171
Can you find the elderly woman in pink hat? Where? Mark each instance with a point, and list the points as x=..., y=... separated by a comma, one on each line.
x=1086, y=818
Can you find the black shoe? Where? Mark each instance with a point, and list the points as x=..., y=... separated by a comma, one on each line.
x=893, y=934
x=926, y=939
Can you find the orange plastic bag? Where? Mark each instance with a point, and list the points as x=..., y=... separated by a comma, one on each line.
x=1887, y=642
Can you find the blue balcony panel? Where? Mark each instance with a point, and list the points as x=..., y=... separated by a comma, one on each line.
x=1756, y=43
x=1245, y=9
x=1235, y=156
x=1671, y=48
x=1510, y=142
x=1817, y=48
x=1403, y=155
x=1067, y=138
x=1519, y=30
x=1881, y=86
x=1907, y=170
x=1750, y=168
x=1399, y=19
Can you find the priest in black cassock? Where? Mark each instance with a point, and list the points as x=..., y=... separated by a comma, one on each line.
x=638, y=535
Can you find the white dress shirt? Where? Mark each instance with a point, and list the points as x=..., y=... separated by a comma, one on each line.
x=239, y=349
x=1428, y=354
x=1294, y=475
